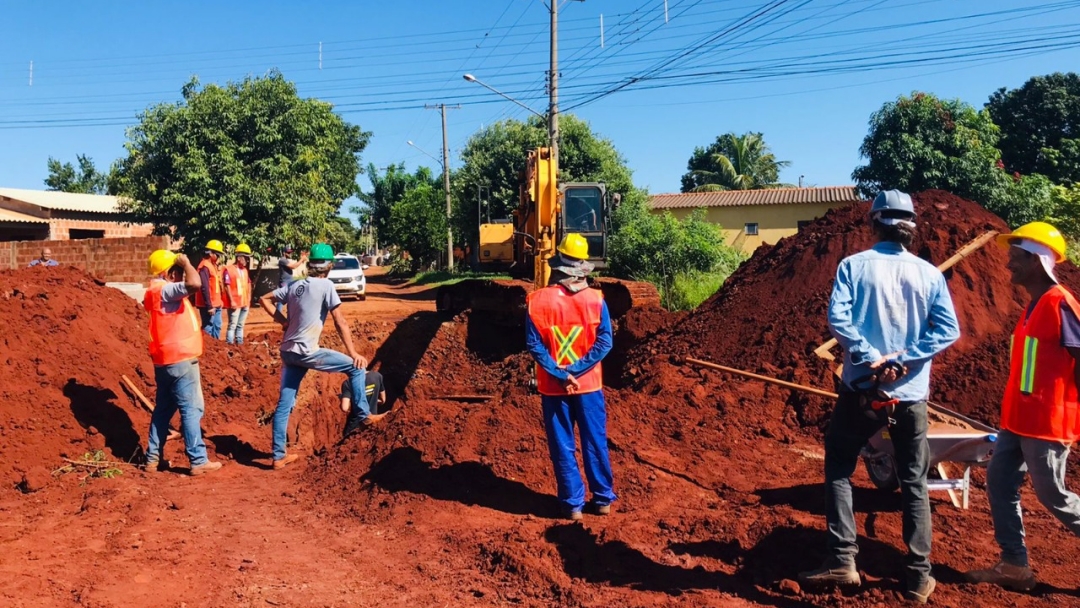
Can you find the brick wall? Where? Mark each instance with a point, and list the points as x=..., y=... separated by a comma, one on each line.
x=112, y=259
x=60, y=229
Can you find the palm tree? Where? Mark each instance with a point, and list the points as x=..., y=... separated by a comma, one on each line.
x=734, y=162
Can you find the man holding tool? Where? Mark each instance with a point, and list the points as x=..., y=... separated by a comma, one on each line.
x=892, y=313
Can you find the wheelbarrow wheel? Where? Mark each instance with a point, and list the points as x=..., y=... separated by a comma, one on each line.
x=882, y=471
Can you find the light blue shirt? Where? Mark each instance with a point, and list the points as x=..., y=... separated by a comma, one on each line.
x=308, y=303
x=886, y=300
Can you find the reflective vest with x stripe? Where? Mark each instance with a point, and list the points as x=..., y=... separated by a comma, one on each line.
x=567, y=324
x=1041, y=396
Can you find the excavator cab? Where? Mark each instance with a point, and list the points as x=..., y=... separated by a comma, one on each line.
x=584, y=210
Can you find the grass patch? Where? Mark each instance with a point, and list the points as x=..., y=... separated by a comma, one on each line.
x=687, y=290
x=446, y=277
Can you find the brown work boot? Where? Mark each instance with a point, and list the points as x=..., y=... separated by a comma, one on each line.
x=204, y=468
x=154, y=466
x=575, y=516
x=831, y=572
x=1004, y=574
x=922, y=594
x=600, y=509
x=284, y=462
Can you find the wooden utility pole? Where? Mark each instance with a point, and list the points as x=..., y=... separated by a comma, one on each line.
x=442, y=107
x=553, y=84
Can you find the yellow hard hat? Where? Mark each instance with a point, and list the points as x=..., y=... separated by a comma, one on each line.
x=243, y=249
x=160, y=261
x=215, y=246
x=1039, y=232
x=574, y=245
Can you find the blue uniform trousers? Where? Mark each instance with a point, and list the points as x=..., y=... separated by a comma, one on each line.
x=588, y=411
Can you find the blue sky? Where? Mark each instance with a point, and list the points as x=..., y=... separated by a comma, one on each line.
x=782, y=67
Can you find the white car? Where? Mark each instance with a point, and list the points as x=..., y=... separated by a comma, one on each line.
x=348, y=276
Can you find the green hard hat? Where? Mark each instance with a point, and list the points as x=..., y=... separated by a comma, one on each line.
x=321, y=252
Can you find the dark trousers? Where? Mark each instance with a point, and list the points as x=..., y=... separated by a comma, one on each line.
x=849, y=430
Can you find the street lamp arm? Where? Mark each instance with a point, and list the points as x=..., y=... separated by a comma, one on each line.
x=471, y=78
x=425, y=153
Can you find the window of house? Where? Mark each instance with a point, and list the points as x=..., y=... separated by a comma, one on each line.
x=750, y=229
x=75, y=234
x=803, y=224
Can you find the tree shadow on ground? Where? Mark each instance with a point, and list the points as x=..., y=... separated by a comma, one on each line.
x=240, y=451
x=469, y=483
x=616, y=563
x=95, y=407
x=400, y=354
x=810, y=498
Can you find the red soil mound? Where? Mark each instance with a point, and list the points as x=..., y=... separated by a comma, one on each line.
x=771, y=314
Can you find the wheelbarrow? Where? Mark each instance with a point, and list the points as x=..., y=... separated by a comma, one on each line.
x=952, y=437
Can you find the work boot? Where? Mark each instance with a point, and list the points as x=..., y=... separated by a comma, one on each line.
x=922, y=593
x=153, y=466
x=600, y=509
x=284, y=462
x=575, y=516
x=1004, y=574
x=204, y=468
x=832, y=572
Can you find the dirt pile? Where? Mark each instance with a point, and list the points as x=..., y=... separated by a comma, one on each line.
x=771, y=313
x=67, y=341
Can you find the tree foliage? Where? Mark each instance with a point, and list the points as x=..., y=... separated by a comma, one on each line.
x=64, y=177
x=388, y=188
x=495, y=158
x=733, y=162
x=247, y=161
x=1040, y=126
x=417, y=224
x=922, y=142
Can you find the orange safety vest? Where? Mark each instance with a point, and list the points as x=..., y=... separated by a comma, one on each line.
x=215, y=286
x=174, y=336
x=238, y=288
x=567, y=324
x=1041, y=397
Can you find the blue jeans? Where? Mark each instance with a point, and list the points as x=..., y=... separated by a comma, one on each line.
x=237, y=318
x=179, y=387
x=849, y=430
x=588, y=411
x=293, y=370
x=211, y=322
x=1016, y=456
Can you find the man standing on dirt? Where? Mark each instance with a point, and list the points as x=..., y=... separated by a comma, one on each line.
x=308, y=302
x=237, y=292
x=1040, y=412
x=374, y=391
x=175, y=348
x=208, y=297
x=892, y=313
x=568, y=333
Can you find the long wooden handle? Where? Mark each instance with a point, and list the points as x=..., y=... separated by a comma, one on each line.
x=141, y=398
x=784, y=383
x=823, y=350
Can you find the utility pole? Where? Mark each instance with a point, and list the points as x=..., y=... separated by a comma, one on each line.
x=553, y=83
x=442, y=107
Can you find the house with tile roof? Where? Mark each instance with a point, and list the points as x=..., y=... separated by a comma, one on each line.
x=46, y=215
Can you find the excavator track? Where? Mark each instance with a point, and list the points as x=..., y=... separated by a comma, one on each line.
x=504, y=301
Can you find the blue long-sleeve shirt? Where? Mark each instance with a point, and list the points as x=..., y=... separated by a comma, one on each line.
x=887, y=300
x=600, y=348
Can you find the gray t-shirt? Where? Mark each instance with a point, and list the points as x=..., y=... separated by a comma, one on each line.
x=308, y=301
x=286, y=272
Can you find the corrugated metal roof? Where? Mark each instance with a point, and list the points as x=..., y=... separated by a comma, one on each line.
x=64, y=201
x=746, y=198
x=6, y=215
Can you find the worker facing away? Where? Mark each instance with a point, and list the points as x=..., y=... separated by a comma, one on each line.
x=568, y=333
x=175, y=347
x=1040, y=413
x=286, y=267
x=208, y=298
x=308, y=302
x=237, y=291
x=374, y=392
x=892, y=313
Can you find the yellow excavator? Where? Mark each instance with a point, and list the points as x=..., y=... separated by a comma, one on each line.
x=546, y=211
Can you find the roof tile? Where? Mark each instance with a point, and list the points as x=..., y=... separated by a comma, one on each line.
x=741, y=198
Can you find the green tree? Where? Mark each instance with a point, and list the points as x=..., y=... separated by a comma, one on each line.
x=495, y=157
x=1040, y=126
x=921, y=142
x=733, y=162
x=388, y=188
x=64, y=177
x=418, y=225
x=249, y=161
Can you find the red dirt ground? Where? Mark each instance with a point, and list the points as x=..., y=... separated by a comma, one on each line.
x=451, y=502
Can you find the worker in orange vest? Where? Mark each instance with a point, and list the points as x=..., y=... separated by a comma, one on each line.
x=568, y=333
x=1040, y=412
x=208, y=297
x=238, y=285
x=175, y=348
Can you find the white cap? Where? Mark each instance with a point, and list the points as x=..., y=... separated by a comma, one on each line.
x=1046, y=255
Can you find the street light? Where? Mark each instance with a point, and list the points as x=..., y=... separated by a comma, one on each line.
x=425, y=153
x=471, y=78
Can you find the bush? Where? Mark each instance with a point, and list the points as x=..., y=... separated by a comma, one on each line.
x=687, y=290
